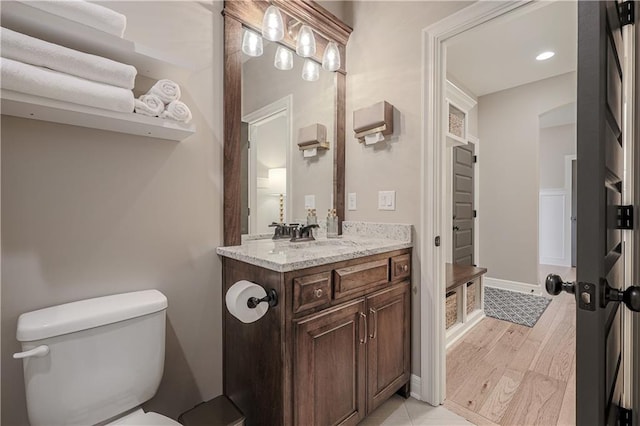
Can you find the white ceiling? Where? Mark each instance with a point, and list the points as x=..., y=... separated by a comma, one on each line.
x=501, y=53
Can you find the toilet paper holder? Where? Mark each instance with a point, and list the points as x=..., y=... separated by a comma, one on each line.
x=271, y=298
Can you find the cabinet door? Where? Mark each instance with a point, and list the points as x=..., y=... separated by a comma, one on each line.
x=388, y=354
x=329, y=366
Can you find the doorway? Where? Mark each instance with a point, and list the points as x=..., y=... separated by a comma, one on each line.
x=516, y=159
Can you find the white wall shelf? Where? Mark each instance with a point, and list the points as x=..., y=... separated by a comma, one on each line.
x=55, y=29
x=37, y=108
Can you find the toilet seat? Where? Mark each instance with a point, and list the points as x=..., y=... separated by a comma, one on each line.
x=140, y=418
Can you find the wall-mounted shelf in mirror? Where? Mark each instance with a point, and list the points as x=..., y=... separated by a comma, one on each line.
x=255, y=82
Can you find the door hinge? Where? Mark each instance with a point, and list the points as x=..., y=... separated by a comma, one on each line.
x=475, y=158
x=248, y=211
x=627, y=13
x=624, y=217
x=475, y=213
x=437, y=241
x=625, y=417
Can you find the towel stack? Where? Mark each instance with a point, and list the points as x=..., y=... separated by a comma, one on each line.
x=89, y=14
x=37, y=67
x=163, y=100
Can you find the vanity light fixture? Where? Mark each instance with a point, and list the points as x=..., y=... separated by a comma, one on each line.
x=545, y=55
x=284, y=59
x=310, y=70
x=251, y=43
x=272, y=24
x=331, y=57
x=306, y=43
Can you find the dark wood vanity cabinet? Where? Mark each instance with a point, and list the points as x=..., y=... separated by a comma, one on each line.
x=334, y=349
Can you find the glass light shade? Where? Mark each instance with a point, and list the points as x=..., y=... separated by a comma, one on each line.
x=310, y=70
x=331, y=57
x=251, y=43
x=284, y=59
x=306, y=43
x=272, y=24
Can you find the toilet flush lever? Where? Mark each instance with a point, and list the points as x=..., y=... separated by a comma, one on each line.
x=40, y=351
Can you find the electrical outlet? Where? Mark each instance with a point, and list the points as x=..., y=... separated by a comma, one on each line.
x=351, y=201
x=309, y=202
x=386, y=200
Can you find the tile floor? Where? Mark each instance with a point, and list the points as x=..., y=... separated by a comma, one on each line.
x=398, y=411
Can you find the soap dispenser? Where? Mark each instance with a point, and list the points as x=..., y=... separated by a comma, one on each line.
x=332, y=224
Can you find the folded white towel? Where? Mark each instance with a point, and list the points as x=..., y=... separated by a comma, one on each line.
x=166, y=90
x=178, y=111
x=89, y=14
x=30, y=50
x=25, y=78
x=150, y=105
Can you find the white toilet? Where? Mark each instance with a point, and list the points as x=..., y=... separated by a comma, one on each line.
x=95, y=360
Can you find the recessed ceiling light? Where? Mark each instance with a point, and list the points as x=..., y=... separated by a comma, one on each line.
x=545, y=55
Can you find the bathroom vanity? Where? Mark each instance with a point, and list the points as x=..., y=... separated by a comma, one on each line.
x=337, y=344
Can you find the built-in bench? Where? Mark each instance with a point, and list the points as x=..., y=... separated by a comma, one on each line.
x=464, y=300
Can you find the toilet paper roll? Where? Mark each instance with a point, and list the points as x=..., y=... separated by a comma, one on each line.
x=237, y=297
x=374, y=138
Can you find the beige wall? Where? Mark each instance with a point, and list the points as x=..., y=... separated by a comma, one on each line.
x=508, y=131
x=555, y=143
x=384, y=62
x=87, y=213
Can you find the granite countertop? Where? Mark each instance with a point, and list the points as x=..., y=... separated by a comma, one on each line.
x=359, y=239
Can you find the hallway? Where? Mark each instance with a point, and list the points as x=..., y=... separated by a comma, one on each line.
x=504, y=373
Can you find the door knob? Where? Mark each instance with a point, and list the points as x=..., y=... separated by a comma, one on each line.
x=555, y=285
x=630, y=297
x=455, y=228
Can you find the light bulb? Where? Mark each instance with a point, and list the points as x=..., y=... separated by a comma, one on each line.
x=272, y=24
x=331, y=57
x=284, y=59
x=251, y=43
x=306, y=44
x=310, y=70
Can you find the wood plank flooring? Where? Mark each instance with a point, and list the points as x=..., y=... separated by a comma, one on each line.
x=507, y=374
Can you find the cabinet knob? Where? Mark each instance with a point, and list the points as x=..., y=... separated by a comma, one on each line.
x=405, y=268
x=318, y=293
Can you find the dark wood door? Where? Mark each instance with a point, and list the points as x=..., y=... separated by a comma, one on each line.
x=388, y=356
x=600, y=251
x=329, y=367
x=463, y=208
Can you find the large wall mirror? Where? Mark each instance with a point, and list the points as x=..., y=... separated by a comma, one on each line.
x=267, y=178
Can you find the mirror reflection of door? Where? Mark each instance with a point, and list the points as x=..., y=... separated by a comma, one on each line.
x=268, y=145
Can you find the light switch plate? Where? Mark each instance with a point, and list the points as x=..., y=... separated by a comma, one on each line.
x=386, y=200
x=351, y=201
x=309, y=202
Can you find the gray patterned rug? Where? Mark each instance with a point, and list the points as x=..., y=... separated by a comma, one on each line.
x=519, y=308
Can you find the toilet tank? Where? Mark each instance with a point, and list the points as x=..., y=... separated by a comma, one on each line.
x=106, y=356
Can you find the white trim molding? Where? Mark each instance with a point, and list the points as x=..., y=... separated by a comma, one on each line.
x=415, y=385
x=513, y=285
x=433, y=187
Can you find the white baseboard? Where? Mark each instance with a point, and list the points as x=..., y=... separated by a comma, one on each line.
x=415, y=386
x=555, y=261
x=513, y=285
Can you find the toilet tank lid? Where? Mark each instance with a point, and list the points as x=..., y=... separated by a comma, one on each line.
x=90, y=313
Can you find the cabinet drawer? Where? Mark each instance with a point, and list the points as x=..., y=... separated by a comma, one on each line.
x=311, y=291
x=400, y=267
x=358, y=277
